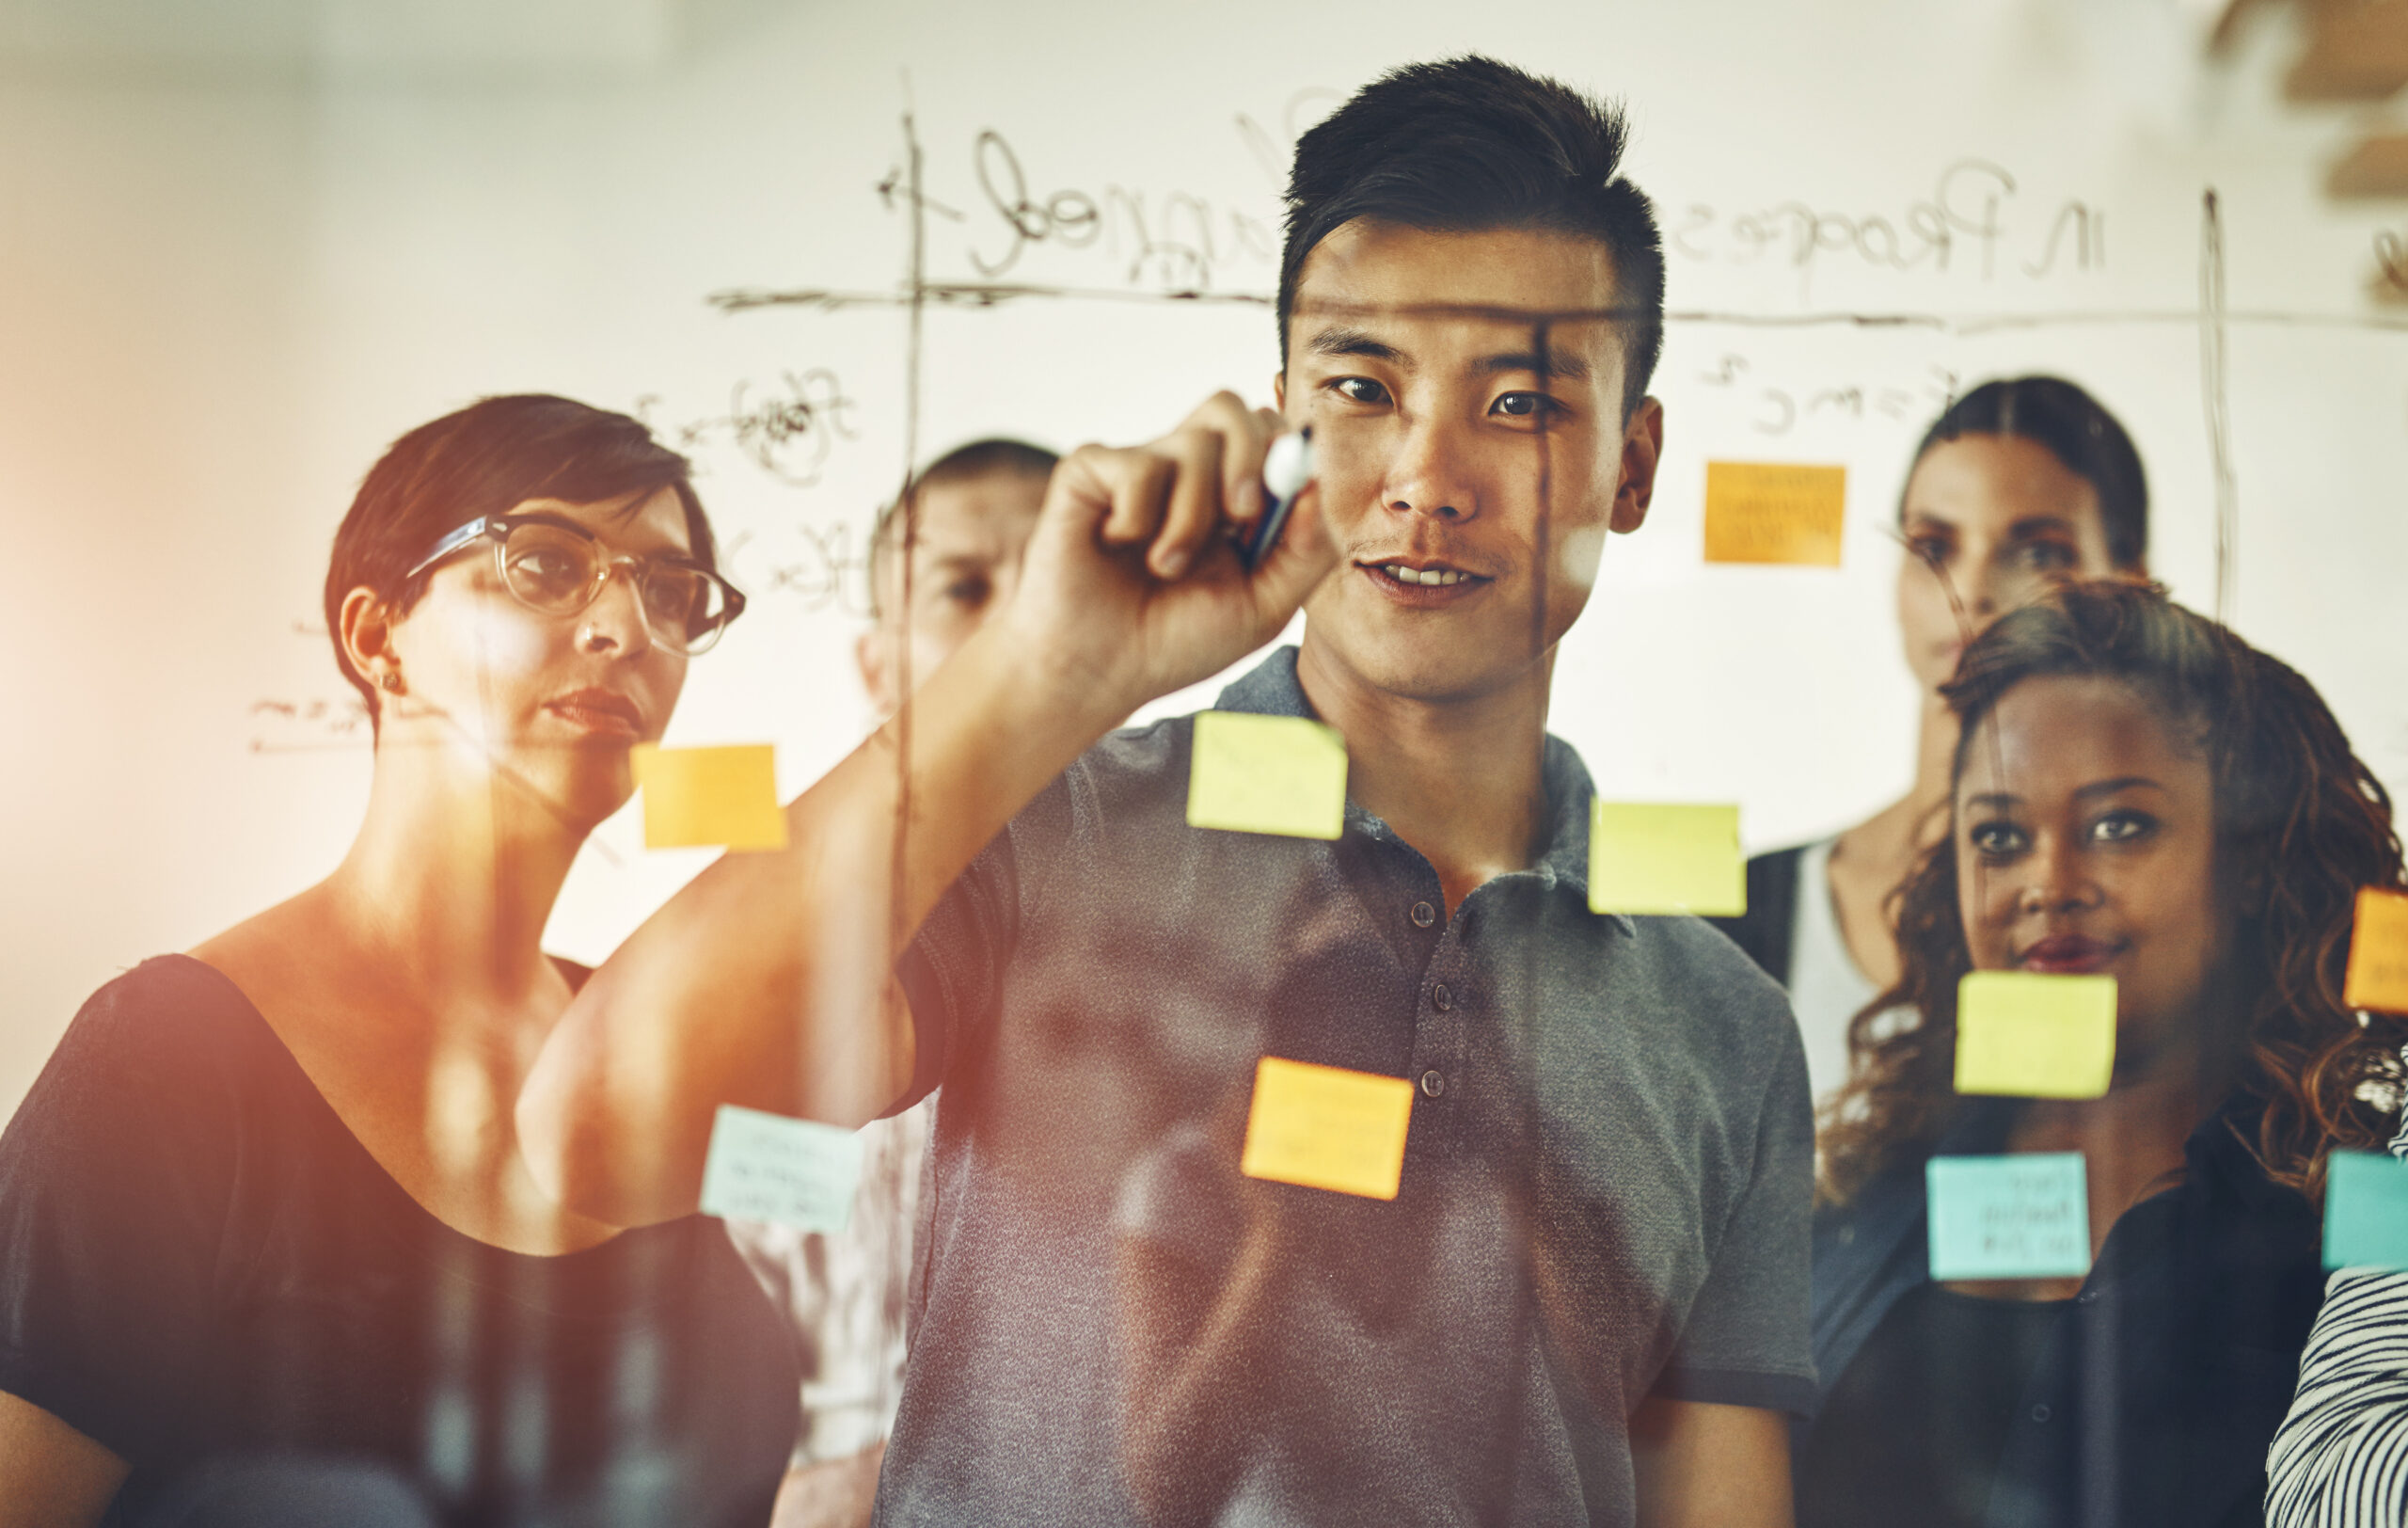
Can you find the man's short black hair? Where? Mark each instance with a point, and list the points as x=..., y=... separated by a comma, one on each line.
x=1471, y=143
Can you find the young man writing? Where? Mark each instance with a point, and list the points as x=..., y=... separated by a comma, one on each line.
x=969, y=513
x=1587, y=1302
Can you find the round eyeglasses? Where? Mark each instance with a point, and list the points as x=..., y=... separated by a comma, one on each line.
x=559, y=567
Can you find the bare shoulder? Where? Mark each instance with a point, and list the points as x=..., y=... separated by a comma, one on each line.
x=50, y=1473
x=273, y=954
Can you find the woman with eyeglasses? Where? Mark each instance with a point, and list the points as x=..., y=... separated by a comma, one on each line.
x=268, y=1252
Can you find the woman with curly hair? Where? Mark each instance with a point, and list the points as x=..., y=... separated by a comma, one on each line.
x=2136, y=793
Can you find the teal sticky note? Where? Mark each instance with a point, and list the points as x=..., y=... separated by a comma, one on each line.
x=767, y=1167
x=2025, y=1215
x=2366, y=1211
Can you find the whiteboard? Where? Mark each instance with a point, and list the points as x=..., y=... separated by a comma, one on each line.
x=226, y=293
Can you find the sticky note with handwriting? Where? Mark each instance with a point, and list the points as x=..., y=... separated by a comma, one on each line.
x=721, y=797
x=767, y=1167
x=2366, y=1211
x=2021, y=1217
x=2378, y=974
x=1661, y=857
x=1774, y=512
x=1281, y=774
x=1326, y=1127
x=2030, y=1034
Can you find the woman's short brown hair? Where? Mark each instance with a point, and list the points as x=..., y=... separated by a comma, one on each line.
x=485, y=459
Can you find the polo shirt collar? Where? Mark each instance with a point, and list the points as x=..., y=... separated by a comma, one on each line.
x=1273, y=689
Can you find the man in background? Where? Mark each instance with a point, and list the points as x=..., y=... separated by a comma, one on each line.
x=846, y=1292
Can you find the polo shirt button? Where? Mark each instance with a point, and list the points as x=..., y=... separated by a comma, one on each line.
x=2040, y=1412
x=1432, y=1084
x=1442, y=998
x=1424, y=915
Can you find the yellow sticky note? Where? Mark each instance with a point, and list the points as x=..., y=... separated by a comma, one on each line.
x=695, y=797
x=2033, y=1035
x=1326, y=1127
x=1277, y=774
x=1655, y=857
x=1773, y=512
x=2378, y=974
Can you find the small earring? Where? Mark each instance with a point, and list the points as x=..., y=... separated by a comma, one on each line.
x=390, y=682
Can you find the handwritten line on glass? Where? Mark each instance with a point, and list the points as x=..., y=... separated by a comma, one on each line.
x=1279, y=774
x=2029, y=1034
x=1655, y=857
x=709, y=797
x=1326, y=1127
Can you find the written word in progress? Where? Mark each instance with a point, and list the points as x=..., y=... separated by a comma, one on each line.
x=1176, y=239
x=1775, y=405
x=767, y=1166
x=1774, y=512
x=1327, y=1127
x=716, y=798
x=2032, y=1034
x=1277, y=774
x=2366, y=1211
x=2025, y=1215
x=1659, y=857
x=2378, y=973
x=1972, y=222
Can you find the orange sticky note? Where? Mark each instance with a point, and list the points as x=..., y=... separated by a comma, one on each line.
x=1664, y=857
x=1326, y=1127
x=1774, y=512
x=2029, y=1034
x=709, y=797
x=2378, y=974
x=1281, y=774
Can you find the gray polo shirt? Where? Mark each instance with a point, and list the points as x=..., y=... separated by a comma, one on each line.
x=1606, y=1190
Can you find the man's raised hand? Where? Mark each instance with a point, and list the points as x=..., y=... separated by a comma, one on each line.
x=1134, y=587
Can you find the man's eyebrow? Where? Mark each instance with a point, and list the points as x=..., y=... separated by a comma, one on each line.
x=1345, y=341
x=2034, y=524
x=1569, y=367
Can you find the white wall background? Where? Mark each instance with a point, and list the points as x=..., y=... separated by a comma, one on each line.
x=245, y=245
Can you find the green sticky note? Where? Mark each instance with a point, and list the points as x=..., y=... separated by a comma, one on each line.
x=767, y=1167
x=1657, y=858
x=2020, y=1217
x=2366, y=1211
x=2033, y=1035
x=1277, y=774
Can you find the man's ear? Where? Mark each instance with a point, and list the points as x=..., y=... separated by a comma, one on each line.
x=871, y=655
x=364, y=627
x=1642, y=452
x=1279, y=389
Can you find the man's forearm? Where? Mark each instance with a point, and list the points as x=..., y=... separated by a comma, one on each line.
x=768, y=981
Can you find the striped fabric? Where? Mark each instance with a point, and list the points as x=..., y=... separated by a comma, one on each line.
x=2341, y=1458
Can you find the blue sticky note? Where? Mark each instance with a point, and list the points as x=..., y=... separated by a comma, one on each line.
x=2366, y=1211
x=2025, y=1215
x=767, y=1167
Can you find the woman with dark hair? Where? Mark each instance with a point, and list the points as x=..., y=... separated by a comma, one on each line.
x=2134, y=791
x=2019, y=486
x=267, y=1244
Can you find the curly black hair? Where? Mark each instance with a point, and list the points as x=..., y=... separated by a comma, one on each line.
x=2301, y=826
